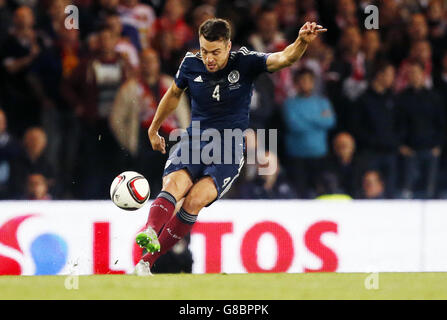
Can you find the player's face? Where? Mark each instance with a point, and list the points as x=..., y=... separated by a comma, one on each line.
x=214, y=53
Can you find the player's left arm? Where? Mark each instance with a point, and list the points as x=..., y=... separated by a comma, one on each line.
x=279, y=60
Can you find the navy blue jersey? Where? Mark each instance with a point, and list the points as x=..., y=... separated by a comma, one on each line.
x=221, y=99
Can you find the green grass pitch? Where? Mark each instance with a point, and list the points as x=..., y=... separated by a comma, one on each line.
x=228, y=287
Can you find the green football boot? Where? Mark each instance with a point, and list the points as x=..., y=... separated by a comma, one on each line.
x=148, y=240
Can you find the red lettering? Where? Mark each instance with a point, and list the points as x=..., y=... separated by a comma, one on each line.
x=101, y=249
x=312, y=239
x=9, y=266
x=8, y=232
x=284, y=244
x=137, y=251
x=213, y=232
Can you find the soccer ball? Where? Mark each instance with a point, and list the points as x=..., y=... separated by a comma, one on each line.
x=130, y=190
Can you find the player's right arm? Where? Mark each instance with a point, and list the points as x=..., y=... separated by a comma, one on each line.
x=167, y=105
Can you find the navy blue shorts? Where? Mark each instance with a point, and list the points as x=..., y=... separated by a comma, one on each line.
x=205, y=158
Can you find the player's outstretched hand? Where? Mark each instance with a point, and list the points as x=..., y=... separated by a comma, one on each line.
x=309, y=31
x=158, y=142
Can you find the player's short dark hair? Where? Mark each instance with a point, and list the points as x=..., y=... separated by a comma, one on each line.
x=215, y=29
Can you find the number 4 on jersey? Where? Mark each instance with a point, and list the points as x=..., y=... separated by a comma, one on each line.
x=216, y=94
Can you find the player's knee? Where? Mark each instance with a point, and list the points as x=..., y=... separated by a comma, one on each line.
x=177, y=187
x=193, y=205
x=197, y=199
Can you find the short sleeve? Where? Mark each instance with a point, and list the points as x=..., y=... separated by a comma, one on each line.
x=181, y=79
x=257, y=61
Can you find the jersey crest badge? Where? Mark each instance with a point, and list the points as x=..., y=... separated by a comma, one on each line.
x=233, y=77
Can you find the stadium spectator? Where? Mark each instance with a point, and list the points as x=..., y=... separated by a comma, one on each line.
x=32, y=4
x=132, y=113
x=319, y=58
x=55, y=63
x=347, y=77
x=19, y=52
x=38, y=55
x=339, y=16
x=262, y=106
x=389, y=15
x=440, y=79
x=200, y=14
x=140, y=16
x=421, y=53
x=263, y=176
x=351, y=54
x=373, y=187
x=93, y=84
x=107, y=6
x=371, y=45
x=37, y=187
x=5, y=20
x=9, y=151
x=328, y=187
x=170, y=57
x=268, y=38
x=287, y=11
x=91, y=91
x=123, y=46
x=54, y=66
x=422, y=129
x=392, y=29
x=55, y=18
x=100, y=10
x=253, y=185
x=440, y=84
x=32, y=159
x=308, y=119
x=173, y=20
x=376, y=125
x=437, y=24
x=344, y=164
x=416, y=30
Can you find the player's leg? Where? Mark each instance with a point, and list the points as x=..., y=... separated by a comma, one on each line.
x=201, y=194
x=175, y=187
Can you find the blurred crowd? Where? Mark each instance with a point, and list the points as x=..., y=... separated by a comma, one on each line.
x=362, y=115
